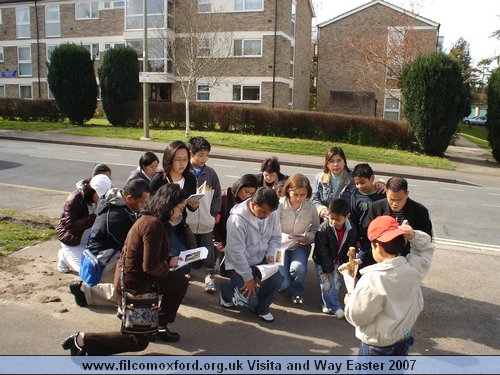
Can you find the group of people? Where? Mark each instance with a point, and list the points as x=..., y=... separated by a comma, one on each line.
x=140, y=231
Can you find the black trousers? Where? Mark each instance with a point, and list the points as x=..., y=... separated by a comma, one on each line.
x=173, y=287
x=108, y=343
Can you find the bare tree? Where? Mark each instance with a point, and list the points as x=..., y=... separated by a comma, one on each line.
x=199, y=52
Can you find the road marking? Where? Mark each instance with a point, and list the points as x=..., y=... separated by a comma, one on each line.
x=224, y=166
x=32, y=188
x=450, y=189
x=495, y=194
x=469, y=245
x=111, y=154
x=86, y=161
x=230, y=176
x=490, y=205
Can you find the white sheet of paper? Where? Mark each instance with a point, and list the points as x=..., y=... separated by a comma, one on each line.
x=191, y=255
x=267, y=270
x=350, y=282
x=200, y=193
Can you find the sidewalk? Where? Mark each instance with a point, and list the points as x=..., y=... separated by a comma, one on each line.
x=473, y=165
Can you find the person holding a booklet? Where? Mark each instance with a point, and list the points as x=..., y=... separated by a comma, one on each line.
x=299, y=223
x=253, y=238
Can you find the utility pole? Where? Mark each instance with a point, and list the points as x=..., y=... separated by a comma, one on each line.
x=145, y=85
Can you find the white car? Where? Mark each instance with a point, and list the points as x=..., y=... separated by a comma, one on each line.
x=476, y=120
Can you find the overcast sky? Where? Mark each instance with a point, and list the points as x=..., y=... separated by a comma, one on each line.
x=472, y=20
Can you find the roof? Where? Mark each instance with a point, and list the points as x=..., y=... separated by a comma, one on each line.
x=384, y=3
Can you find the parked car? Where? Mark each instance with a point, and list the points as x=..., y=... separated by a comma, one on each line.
x=476, y=120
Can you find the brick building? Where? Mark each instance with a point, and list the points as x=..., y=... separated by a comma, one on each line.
x=360, y=54
x=268, y=63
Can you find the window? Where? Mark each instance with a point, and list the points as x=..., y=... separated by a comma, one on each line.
x=22, y=23
x=50, y=49
x=157, y=55
x=203, y=93
x=246, y=93
x=0, y=16
x=203, y=48
x=248, y=5
x=1, y=54
x=86, y=11
x=113, y=45
x=49, y=93
x=294, y=19
x=24, y=61
x=25, y=92
x=2, y=91
x=93, y=50
x=170, y=14
x=52, y=21
x=134, y=13
x=395, y=51
x=114, y=4
x=292, y=61
x=247, y=47
x=204, y=6
x=391, y=108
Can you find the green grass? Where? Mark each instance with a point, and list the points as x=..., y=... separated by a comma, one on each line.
x=475, y=134
x=18, y=230
x=273, y=144
x=100, y=128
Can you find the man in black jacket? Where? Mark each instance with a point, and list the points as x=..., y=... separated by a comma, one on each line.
x=116, y=214
x=401, y=207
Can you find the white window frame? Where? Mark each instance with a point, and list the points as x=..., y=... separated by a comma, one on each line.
x=242, y=90
x=2, y=91
x=140, y=17
x=51, y=22
x=1, y=16
x=202, y=89
x=293, y=28
x=92, y=47
x=48, y=47
x=23, y=24
x=108, y=46
x=243, y=6
x=114, y=4
x=204, y=49
x=93, y=11
x=31, y=92
x=49, y=93
x=392, y=95
x=204, y=6
x=292, y=61
x=19, y=62
x=155, y=47
x=1, y=55
x=243, y=41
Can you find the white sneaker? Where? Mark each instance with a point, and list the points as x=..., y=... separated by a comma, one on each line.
x=339, y=314
x=225, y=304
x=266, y=317
x=326, y=310
x=210, y=283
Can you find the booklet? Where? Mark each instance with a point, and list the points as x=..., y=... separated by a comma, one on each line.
x=291, y=241
x=200, y=192
x=267, y=270
x=190, y=256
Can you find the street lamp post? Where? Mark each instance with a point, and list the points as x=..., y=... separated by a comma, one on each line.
x=145, y=87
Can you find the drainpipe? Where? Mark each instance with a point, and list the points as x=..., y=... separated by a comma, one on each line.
x=38, y=51
x=275, y=42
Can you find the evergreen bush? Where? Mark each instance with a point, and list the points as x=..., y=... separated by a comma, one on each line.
x=434, y=97
x=119, y=79
x=493, y=117
x=72, y=81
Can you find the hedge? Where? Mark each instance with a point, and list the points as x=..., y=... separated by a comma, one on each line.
x=30, y=110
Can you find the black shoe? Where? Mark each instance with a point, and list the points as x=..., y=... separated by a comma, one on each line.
x=167, y=335
x=71, y=345
x=75, y=289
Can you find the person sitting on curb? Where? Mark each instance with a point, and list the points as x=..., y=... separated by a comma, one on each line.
x=254, y=236
x=116, y=214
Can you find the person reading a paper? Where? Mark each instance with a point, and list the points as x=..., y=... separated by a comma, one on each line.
x=253, y=237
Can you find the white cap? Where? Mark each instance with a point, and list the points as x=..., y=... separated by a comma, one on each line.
x=101, y=184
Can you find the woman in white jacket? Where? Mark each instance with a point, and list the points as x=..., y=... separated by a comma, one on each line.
x=299, y=223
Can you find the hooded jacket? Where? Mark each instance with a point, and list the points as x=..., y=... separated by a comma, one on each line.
x=114, y=220
x=323, y=192
x=387, y=299
x=75, y=219
x=246, y=246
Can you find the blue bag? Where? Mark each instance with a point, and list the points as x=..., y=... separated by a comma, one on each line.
x=91, y=268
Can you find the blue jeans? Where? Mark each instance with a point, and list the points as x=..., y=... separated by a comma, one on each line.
x=330, y=298
x=230, y=291
x=400, y=348
x=295, y=269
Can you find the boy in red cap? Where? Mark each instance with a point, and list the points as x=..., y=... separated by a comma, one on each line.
x=387, y=299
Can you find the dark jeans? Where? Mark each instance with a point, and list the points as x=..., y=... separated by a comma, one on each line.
x=173, y=287
x=109, y=343
x=400, y=348
x=230, y=291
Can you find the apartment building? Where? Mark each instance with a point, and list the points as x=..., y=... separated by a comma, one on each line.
x=361, y=53
x=267, y=63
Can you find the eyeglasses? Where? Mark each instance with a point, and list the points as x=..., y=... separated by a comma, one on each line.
x=180, y=160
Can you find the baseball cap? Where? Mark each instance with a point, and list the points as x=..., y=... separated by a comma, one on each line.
x=384, y=229
x=101, y=184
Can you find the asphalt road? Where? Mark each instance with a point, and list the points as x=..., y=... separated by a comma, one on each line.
x=462, y=214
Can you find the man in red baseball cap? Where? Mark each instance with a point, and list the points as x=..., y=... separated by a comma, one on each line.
x=387, y=299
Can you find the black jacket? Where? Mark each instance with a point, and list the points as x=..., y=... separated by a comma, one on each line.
x=114, y=220
x=326, y=245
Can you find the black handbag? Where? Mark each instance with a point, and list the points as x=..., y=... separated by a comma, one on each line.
x=140, y=312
